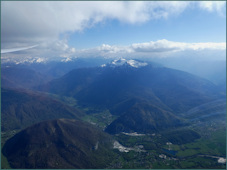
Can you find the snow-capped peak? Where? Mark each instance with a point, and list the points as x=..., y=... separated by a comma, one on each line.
x=136, y=64
x=122, y=61
x=119, y=62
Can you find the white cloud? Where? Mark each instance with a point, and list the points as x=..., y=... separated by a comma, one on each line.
x=166, y=46
x=29, y=22
x=213, y=6
x=161, y=48
x=105, y=48
x=25, y=23
x=156, y=46
x=158, y=49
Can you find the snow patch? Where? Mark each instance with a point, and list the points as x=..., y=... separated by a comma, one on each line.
x=136, y=64
x=40, y=60
x=66, y=60
x=103, y=65
x=119, y=62
x=122, y=61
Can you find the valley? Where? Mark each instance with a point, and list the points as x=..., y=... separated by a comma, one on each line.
x=132, y=115
x=113, y=85
x=158, y=152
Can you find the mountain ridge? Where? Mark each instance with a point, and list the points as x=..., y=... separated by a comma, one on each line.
x=22, y=108
x=59, y=144
x=120, y=88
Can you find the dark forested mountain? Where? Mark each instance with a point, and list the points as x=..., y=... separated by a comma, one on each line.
x=140, y=93
x=59, y=144
x=144, y=118
x=107, y=86
x=20, y=109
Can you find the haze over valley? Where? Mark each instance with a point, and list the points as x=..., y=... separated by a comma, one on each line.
x=96, y=88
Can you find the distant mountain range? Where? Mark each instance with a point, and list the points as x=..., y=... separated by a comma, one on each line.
x=125, y=85
x=19, y=77
x=47, y=70
x=136, y=97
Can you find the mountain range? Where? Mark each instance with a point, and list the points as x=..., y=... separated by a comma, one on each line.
x=131, y=86
x=137, y=97
x=20, y=77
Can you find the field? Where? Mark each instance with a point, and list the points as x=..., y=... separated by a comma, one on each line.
x=202, y=153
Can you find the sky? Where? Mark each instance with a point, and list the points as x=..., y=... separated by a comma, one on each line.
x=48, y=30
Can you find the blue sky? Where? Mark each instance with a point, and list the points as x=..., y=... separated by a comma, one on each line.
x=193, y=25
x=73, y=29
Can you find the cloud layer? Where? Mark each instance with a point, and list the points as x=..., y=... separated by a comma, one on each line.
x=213, y=6
x=160, y=48
x=27, y=23
x=154, y=49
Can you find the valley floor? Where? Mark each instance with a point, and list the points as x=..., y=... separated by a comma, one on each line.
x=155, y=151
x=207, y=152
